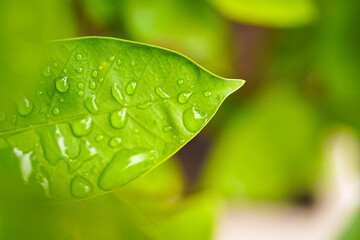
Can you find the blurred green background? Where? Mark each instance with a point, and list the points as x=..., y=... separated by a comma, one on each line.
x=268, y=142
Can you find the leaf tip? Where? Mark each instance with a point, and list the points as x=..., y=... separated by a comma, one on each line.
x=237, y=83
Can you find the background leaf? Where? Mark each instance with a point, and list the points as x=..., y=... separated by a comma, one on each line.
x=275, y=13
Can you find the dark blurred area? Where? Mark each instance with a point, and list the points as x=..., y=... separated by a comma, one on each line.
x=278, y=161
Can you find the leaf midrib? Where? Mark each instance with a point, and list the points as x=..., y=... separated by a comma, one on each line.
x=82, y=116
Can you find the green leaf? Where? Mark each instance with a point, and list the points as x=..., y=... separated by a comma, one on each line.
x=278, y=13
x=103, y=112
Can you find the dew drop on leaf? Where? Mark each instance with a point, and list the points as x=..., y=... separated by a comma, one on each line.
x=13, y=120
x=115, y=142
x=101, y=80
x=92, y=85
x=82, y=127
x=100, y=67
x=132, y=63
x=80, y=85
x=118, y=62
x=24, y=106
x=184, y=97
x=111, y=59
x=167, y=129
x=78, y=56
x=80, y=93
x=94, y=74
x=81, y=187
x=131, y=87
x=180, y=82
x=79, y=70
x=90, y=104
x=99, y=138
x=123, y=164
x=207, y=93
x=116, y=93
x=25, y=163
x=118, y=119
x=194, y=119
x=62, y=84
x=47, y=71
x=161, y=93
x=56, y=111
x=144, y=105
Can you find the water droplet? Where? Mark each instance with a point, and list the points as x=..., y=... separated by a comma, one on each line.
x=54, y=144
x=94, y=74
x=115, y=91
x=99, y=138
x=121, y=168
x=180, y=82
x=79, y=70
x=39, y=93
x=56, y=111
x=92, y=85
x=184, y=97
x=91, y=105
x=81, y=187
x=101, y=80
x=118, y=119
x=131, y=87
x=61, y=100
x=111, y=59
x=161, y=93
x=80, y=85
x=13, y=120
x=78, y=56
x=167, y=129
x=65, y=70
x=80, y=93
x=118, y=62
x=115, y=142
x=144, y=105
x=24, y=106
x=82, y=127
x=100, y=67
x=62, y=84
x=132, y=63
x=207, y=93
x=55, y=64
x=194, y=119
x=25, y=163
x=182, y=141
x=136, y=130
x=47, y=71
x=2, y=117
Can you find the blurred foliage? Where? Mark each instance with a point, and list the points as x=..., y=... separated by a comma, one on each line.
x=262, y=156
x=337, y=57
x=275, y=13
x=191, y=27
x=352, y=231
